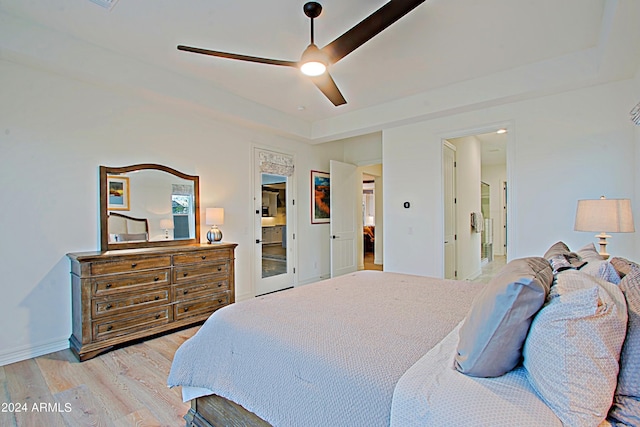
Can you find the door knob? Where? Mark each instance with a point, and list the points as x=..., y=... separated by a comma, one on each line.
x=258, y=241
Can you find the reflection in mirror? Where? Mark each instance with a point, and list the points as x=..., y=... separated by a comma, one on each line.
x=274, y=225
x=147, y=205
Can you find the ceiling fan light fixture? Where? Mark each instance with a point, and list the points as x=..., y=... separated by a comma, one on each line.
x=313, y=62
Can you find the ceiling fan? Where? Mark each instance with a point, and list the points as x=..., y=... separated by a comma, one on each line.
x=314, y=61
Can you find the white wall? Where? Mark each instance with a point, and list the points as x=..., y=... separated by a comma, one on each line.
x=560, y=148
x=54, y=134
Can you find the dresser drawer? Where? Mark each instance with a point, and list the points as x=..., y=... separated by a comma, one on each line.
x=201, y=256
x=129, y=264
x=137, y=301
x=196, y=307
x=126, y=282
x=195, y=271
x=191, y=291
x=109, y=328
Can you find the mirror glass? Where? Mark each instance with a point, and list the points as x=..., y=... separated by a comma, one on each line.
x=148, y=205
x=274, y=225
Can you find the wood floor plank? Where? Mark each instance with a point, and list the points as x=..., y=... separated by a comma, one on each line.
x=60, y=371
x=124, y=387
x=82, y=408
x=141, y=418
x=150, y=385
x=28, y=388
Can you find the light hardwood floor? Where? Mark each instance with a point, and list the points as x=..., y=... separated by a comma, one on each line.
x=124, y=387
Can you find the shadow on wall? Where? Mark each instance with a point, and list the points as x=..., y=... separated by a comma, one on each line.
x=49, y=329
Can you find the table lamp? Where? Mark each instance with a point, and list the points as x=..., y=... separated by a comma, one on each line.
x=214, y=218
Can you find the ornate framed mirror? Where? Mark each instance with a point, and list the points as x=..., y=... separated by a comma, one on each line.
x=148, y=205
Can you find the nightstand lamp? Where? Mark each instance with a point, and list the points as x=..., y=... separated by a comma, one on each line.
x=606, y=216
x=214, y=218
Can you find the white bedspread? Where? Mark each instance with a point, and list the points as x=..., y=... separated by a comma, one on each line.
x=433, y=393
x=325, y=354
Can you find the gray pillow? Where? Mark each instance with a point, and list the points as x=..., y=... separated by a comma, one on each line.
x=560, y=249
x=496, y=326
x=622, y=265
x=572, y=350
x=557, y=249
x=626, y=405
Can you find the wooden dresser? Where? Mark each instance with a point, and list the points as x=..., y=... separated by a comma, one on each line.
x=124, y=295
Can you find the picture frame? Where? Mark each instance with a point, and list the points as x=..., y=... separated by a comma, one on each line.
x=320, y=197
x=118, y=193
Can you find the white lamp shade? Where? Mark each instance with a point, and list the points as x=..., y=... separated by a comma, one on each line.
x=166, y=224
x=605, y=215
x=214, y=216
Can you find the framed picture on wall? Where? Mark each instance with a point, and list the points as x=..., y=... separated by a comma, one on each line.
x=118, y=193
x=320, y=193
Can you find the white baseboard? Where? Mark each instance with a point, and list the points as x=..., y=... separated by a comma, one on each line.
x=30, y=351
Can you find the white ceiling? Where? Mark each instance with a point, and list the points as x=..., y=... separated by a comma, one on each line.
x=431, y=58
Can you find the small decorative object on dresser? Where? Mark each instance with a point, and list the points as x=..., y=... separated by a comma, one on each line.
x=121, y=296
x=214, y=217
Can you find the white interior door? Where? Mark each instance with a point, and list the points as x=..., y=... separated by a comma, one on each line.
x=346, y=191
x=449, y=179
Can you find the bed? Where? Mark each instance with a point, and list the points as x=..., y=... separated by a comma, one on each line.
x=124, y=228
x=371, y=349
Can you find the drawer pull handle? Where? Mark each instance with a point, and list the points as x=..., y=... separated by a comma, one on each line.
x=219, y=284
x=157, y=316
x=108, y=285
x=109, y=328
x=184, y=274
x=155, y=279
x=186, y=309
x=204, y=257
x=157, y=297
x=134, y=265
x=186, y=291
x=219, y=301
x=108, y=306
x=219, y=268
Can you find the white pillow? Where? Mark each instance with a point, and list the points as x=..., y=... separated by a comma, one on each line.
x=572, y=350
x=626, y=407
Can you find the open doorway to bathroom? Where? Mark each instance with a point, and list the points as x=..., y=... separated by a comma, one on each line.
x=478, y=176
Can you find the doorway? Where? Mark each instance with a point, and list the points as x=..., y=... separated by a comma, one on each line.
x=274, y=221
x=478, y=193
x=372, y=248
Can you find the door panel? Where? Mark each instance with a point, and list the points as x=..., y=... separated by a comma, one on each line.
x=345, y=193
x=449, y=179
x=274, y=225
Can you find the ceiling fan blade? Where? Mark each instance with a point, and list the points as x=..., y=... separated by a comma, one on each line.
x=239, y=57
x=369, y=27
x=327, y=86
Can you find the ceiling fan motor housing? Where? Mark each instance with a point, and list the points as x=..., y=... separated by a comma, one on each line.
x=312, y=9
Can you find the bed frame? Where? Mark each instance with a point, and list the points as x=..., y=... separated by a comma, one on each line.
x=215, y=411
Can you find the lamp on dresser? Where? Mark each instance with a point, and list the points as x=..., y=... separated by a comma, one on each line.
x=605, y=216
x=166, y=224
x=214, y=217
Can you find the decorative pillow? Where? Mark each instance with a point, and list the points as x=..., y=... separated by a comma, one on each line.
x=496, y=326
x=602, y=270
x=131, y=237
x=589, y=253
x=560, y=249
x=622, y=266
x=626, y=405
x=572, y=350
x=557, y=249
x=560, y=263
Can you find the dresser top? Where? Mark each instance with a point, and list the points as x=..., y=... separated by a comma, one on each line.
x=164, y=250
